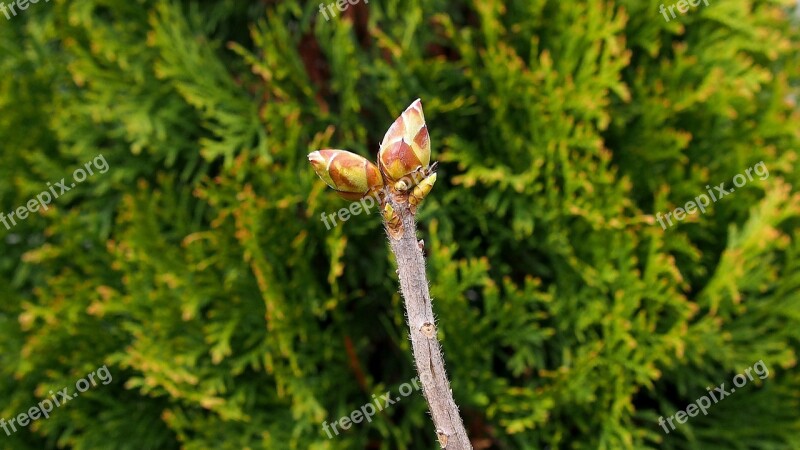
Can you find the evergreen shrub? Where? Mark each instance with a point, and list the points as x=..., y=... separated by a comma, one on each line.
x=198, y=271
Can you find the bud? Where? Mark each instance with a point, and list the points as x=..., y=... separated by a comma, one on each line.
x=406, y=148
x=393, y=222
x=351, y=175
x=421, y=190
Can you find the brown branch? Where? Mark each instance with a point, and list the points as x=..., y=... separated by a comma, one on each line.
x=421, y=323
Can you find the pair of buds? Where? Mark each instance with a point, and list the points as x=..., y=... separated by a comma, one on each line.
x=403, y=165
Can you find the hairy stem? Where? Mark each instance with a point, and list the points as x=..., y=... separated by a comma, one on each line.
x=427, y=351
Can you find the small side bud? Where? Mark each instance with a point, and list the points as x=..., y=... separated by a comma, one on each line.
x=402, y=185
x=421, y=190
x=428, y=329
x=442, y=438
x=393, y=222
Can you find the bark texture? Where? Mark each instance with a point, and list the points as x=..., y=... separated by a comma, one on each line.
x=422, y=327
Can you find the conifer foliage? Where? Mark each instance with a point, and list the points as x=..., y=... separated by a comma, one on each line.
x=197, y=270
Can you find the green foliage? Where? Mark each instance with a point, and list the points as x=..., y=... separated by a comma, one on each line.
x=198, y=270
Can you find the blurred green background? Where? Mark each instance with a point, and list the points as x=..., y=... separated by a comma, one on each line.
x=196, y=268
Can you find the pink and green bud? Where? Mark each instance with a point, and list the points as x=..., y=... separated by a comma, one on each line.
x=351, y=175
x=406, y=148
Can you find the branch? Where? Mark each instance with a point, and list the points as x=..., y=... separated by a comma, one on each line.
x=421, y=323
x=402, y=179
